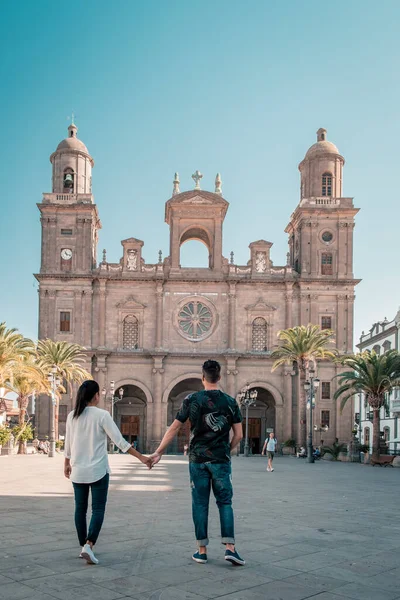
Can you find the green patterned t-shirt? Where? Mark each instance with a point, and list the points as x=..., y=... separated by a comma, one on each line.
x=212, y=414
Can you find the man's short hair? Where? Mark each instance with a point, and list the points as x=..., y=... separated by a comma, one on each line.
x=211, y=371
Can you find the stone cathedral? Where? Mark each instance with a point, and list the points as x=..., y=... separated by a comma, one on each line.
x=147, y=328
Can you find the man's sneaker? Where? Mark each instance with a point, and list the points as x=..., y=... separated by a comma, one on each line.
x=268, y=469
x=271, y=470
x=200, y=558
x=88, y=555
x=80, y=556
x=234, y=558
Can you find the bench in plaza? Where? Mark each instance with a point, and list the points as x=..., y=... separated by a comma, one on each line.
x=382, y=461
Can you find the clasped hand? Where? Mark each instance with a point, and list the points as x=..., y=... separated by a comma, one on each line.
x=151, y=460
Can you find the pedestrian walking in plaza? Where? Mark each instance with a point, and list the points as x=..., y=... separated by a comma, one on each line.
x=212, y=415
x=86, y=462
x=270, y=447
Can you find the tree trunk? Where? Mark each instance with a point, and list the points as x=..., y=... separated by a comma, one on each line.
x=56, y=412
x=22, y=403
x=375, y=433
x=302, y=409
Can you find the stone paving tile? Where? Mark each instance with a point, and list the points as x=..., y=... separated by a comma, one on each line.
x=310, y=562
x=88, y=592
x=131, y=585
x=169, y=593
x=316, y=583
x=389, y=580
x=364, y=592
x=27, y=571
x=277, y=590
x=341, y=572
x=14, y=591
x=213, y=587
x=4, y=579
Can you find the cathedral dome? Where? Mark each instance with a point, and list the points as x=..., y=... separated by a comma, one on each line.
x=72, y=142
x=322, y=146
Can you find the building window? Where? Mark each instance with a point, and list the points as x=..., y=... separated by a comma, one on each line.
x=66, y=231
x=386, y=345
x=326, y=390
x=325, y=418
x=327, y=184
x=386, y=434
x=65, y=321
x=259, y=335
x=366, y=436
x=130, y=333
x=62, y=413
x=326, y=322
x=326, y=264
x=377, y=349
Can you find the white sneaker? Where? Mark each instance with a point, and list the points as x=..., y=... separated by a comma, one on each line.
x=268, y=469
x=88, y=555
x=81, y=556
x=271, y=470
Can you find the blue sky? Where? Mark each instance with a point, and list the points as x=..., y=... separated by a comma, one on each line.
x=223, y=86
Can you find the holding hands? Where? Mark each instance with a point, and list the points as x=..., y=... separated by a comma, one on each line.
x=151, y=460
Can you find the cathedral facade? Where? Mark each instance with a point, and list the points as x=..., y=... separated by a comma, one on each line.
x=147, y=328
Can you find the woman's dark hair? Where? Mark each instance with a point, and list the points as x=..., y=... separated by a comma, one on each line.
x=212, y=371
x=86, y=393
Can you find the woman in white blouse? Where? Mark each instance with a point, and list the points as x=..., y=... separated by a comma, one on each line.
x=86, y=462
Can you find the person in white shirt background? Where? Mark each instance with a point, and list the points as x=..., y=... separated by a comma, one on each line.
x=86, y=462
x=270, y=446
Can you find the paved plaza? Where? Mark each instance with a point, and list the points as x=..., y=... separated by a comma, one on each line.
x=326, y=531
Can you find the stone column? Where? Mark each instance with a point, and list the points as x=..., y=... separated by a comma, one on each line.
x=52, y=328
x=217, y=250
x=314, y=309
x=350, y=322
x=340, y=323
x=102, y=313
x=53, y=256
x=157, y=417
x=341, y=257
x=80, y=231
x=313, y=248
x=231, y=373
x=289, y=307
x=174, y=243
x=287, y=402
x=232, y=317
x=159, y=314
x=78, y=334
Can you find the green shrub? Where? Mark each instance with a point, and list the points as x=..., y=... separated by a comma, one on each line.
x=291, y=443
x=334, y=450
x=5, y=435
x=23, y=433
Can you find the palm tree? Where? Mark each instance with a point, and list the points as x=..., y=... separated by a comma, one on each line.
x=14, y=347
x=28, y=379
x=303, y=345
x=68, y=359
x=374, y=376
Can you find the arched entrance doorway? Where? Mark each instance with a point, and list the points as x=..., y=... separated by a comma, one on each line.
x=130, y=415
x=175, y=399
x=262, y=420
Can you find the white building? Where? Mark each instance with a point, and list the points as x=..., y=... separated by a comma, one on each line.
x=382, y=336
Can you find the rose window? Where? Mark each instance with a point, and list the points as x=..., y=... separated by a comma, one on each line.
x=195, y=320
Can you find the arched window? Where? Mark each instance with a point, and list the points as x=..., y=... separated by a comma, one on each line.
x=386, y=434
x=327, y=184
x=366, y=436
x=130, y=333
x=386, y=345
x=259, y=335
x=377, y=349
x=68, y=181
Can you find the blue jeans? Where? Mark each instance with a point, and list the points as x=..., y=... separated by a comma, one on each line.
x=203, y=476
x=99, y=499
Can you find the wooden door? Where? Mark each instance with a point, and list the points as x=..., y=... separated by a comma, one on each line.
x=130, y=426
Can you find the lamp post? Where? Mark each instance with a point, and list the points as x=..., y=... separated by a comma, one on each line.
x=113, y=399
x=54, y=384
x=311, y=386
x=247, y=398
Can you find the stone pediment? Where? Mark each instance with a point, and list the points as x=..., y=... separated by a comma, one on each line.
x=132, y=240
x=261, y=243
x=131, y=303
x=260, y=306
x=195, y=198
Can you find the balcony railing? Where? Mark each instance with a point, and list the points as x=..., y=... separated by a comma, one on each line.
x=68, y=198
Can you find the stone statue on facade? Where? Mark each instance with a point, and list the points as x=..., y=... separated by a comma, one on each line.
x=131, y=263
x=261, y=262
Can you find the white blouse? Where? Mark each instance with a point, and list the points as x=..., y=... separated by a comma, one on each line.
x=86, y=444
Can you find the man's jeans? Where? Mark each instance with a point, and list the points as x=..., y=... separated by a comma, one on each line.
x=99, y=500
x=203, y=476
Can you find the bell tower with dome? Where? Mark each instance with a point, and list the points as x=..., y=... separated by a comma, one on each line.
x=68, y=215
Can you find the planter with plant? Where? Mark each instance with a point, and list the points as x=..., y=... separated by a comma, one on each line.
x=334, y=451
x=289, y=447
x=5, y=435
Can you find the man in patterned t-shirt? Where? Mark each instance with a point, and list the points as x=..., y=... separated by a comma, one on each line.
x=212, y=415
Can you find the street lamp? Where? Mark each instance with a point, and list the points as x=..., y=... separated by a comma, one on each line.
x=54, y=384
x=113, y=399
x=311, y=386
x=247, y=398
